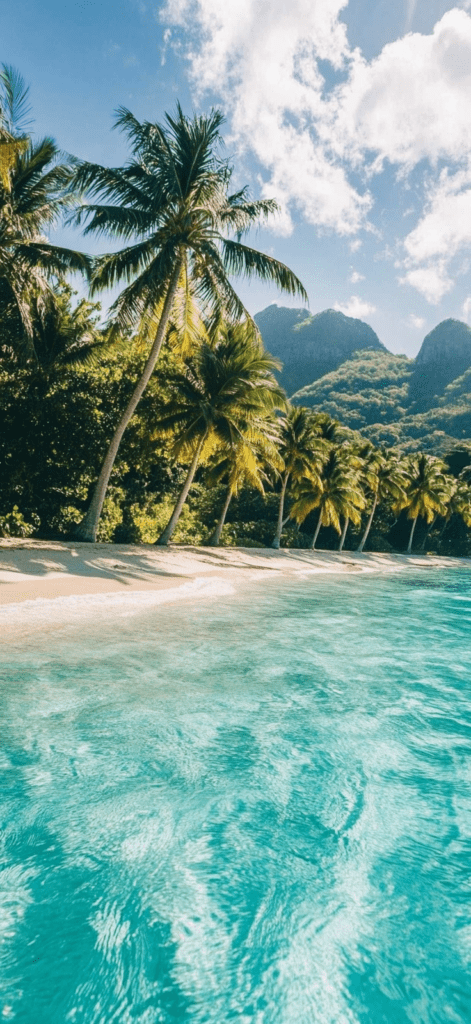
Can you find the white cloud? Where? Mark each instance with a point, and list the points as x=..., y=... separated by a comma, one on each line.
x=417, y=321
x=356, y=245
x=261, y=58
x=443, y=231
x=411, y=102
x=467, y=308
x=432, y=282
x=408, y=105
x=355, y=307
x=355, y=277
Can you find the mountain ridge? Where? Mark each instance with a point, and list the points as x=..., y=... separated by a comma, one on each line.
x=390, y=398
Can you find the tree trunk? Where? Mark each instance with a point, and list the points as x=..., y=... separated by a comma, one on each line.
x=427, y=532
x=344, y=533
x=368, y=525
x=216, y=536
x=167, y=533
x=314, y=539
x=279, y=526
x=409, y=549
x=86, y=530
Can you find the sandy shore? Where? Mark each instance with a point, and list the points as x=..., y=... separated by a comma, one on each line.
x=34, y=569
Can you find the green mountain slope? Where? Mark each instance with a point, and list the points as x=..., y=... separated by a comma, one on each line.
x=445, y=354
x=371, y=387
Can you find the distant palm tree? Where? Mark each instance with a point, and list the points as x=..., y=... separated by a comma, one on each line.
x=386, y=477
x=245, y=462
x=33, y=194
x=428, y=491
x=301, y=449
x=223, y=390
x=173, y=207
x=457, y=502
x=337, y=493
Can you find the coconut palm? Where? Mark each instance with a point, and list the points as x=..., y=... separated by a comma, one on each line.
x=33, y=187
x=385, y=477
x=457, y=502
x=301, y=449
x=245, y=462
x=336, y=493
x=172, y=206
x=428, y=491
x=223, y=390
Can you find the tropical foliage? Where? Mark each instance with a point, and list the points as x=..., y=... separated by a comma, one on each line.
x=168, y=421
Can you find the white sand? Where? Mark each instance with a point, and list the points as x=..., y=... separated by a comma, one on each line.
x=34, y=569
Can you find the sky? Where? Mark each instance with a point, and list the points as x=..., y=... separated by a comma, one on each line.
x=353, y=114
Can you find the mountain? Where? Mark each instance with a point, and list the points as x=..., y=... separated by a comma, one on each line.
x=416, y=404
x=445, y=355
x=371, y=387
x=311, y=346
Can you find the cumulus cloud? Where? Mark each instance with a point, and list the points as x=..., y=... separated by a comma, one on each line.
x=262, y=58
x=417, y=321
x=355, y=277
x=467, y=308
x=355, y=307
x=318, y=135
x=411, y=102
x=432, y=282
x=443, y=231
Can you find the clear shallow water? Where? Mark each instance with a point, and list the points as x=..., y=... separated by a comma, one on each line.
x=254, y=809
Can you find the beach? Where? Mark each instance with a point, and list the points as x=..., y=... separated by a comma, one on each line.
x=48, y=570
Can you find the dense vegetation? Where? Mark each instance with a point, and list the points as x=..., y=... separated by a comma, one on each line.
x=168, y=421
x=378, y=394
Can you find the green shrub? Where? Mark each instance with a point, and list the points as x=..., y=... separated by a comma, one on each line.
x=14, y=524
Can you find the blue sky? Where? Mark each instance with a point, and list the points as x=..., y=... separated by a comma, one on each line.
x=353, y=113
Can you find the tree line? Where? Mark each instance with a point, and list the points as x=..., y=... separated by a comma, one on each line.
x=167, y=422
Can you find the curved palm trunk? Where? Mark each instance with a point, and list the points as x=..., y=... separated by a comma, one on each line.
x=409, y=548
x=344, y=533
x=319, y=524
x=279, y=526
x=216, y=536
x=427, y=532
x=86, y=530
x=368, y=525
x=167, y=533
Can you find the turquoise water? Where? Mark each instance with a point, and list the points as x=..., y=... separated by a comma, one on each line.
x=254, y=808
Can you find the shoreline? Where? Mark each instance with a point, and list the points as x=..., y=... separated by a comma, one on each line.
x=35, y=570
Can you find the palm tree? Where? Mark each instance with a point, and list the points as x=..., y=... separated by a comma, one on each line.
x=428, y=491
x=172, y=206
x=301, y=450
x=385, y=477
x=33, y=194
x=336, y=493
x=244, y=463
x=457, y=502
x=221, y=391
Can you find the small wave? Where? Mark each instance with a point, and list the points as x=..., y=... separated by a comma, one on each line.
x=125, y=603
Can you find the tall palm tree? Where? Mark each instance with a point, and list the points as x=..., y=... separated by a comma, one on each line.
x=301, y=449
x=222, y=390
x=337, y=493
x=428, y=491
x=457, y=502
x=34, y=192
x=385, y=477
x=172, y=206
x=244, y=462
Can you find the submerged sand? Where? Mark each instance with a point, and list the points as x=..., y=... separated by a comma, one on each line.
x=34, y=569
